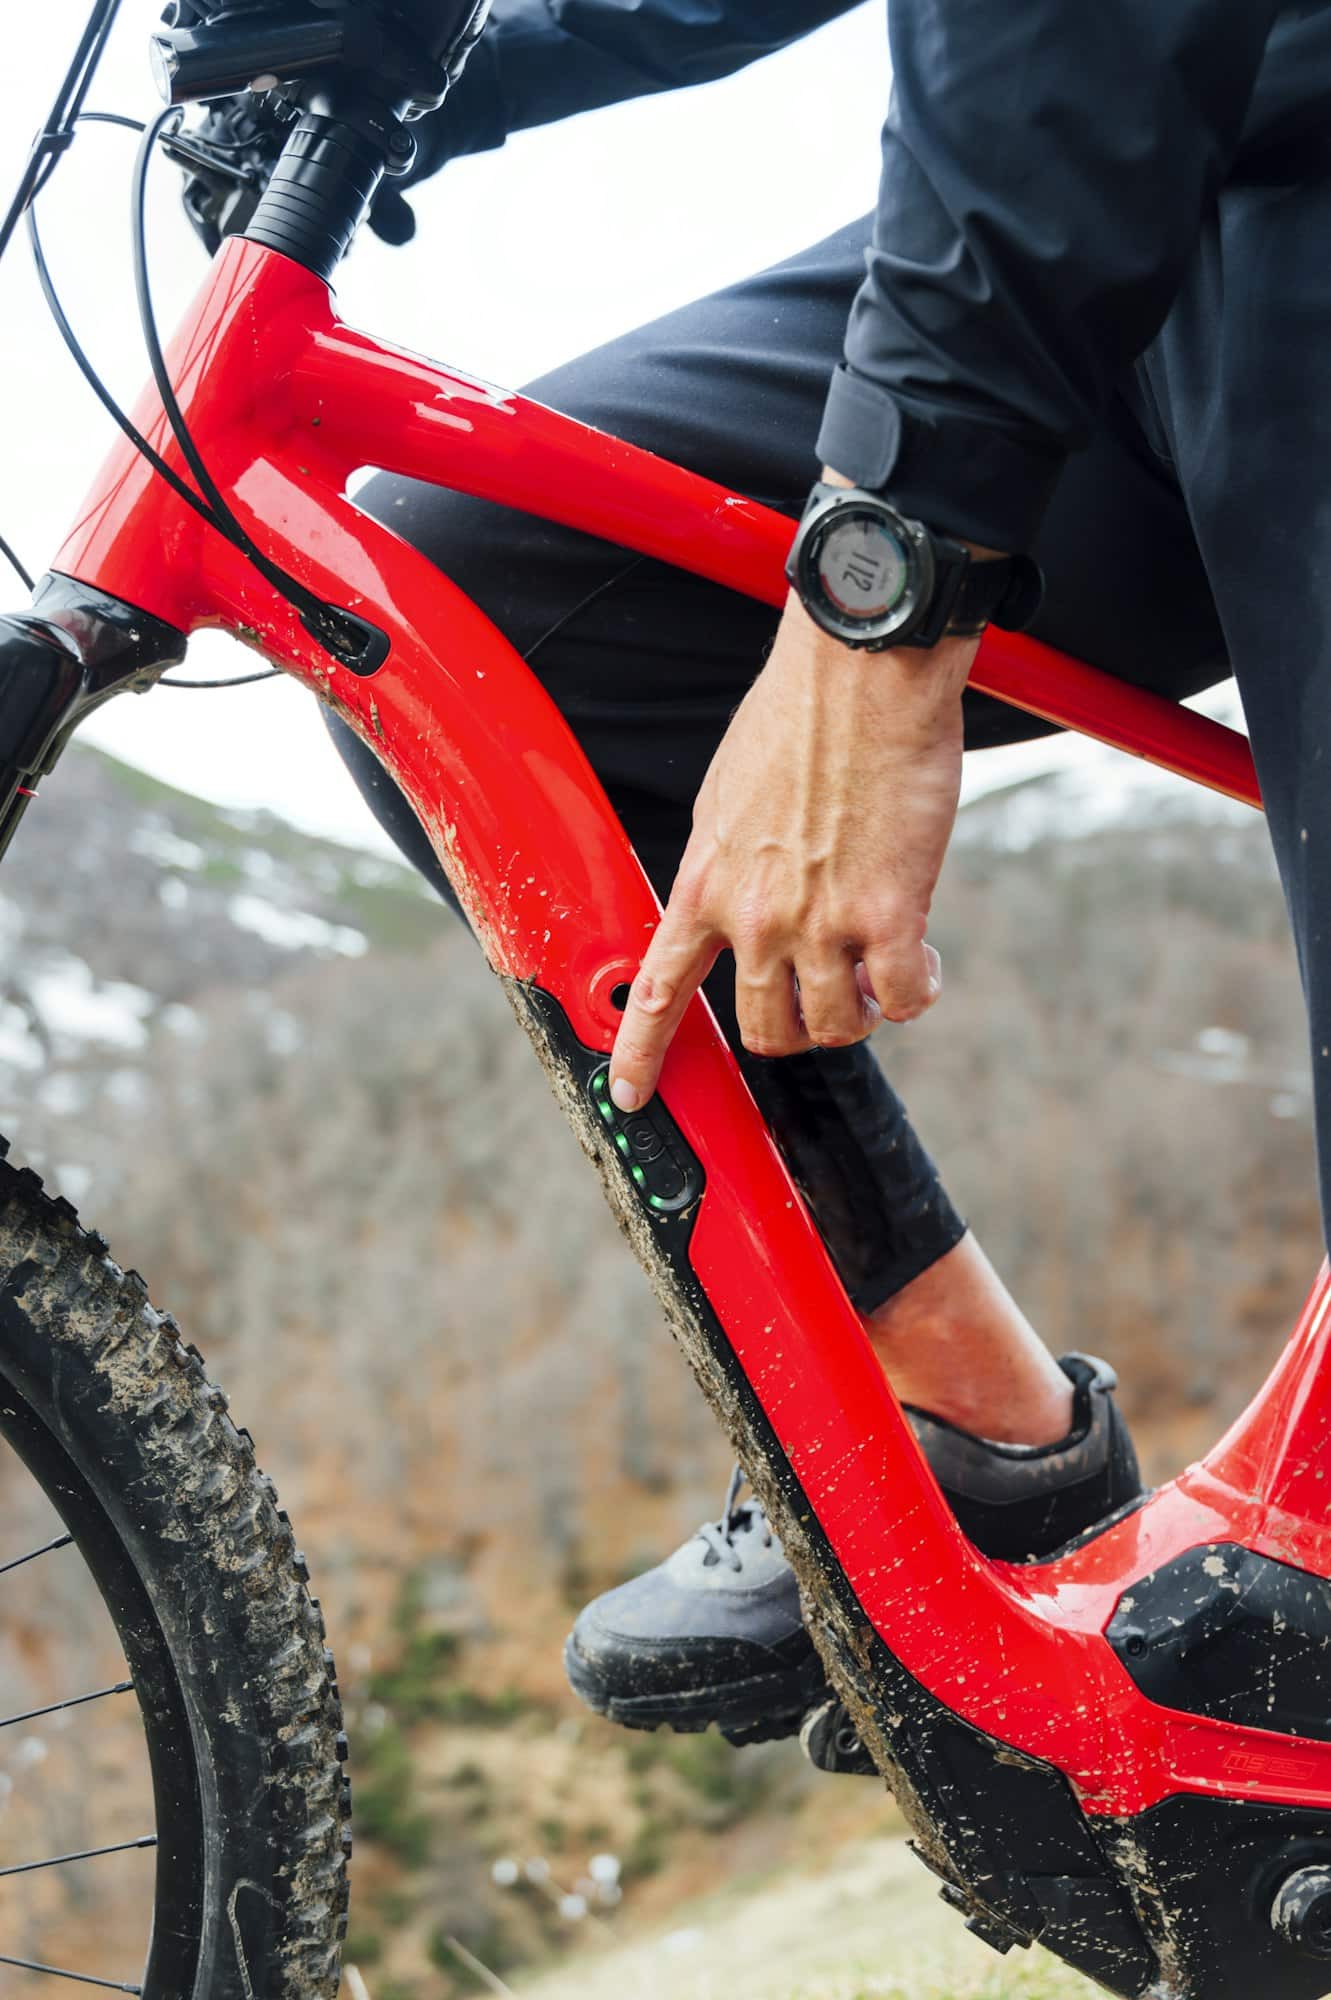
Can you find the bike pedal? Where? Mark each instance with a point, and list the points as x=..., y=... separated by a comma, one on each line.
x=988, y=1925
x=831, y=1742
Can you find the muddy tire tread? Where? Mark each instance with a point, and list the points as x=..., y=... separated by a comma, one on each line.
x=203, y=1468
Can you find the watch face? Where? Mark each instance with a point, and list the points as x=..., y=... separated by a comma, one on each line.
x=863, y=566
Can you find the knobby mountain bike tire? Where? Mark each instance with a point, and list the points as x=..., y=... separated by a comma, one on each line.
x=132, y=1444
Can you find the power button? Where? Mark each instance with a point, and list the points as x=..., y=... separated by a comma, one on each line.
x=660, y=1164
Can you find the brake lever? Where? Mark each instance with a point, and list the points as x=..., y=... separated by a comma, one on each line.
x=189, y=151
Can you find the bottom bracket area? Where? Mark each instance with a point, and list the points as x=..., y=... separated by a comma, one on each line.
x=1236, y=1896
x=1179, y=1902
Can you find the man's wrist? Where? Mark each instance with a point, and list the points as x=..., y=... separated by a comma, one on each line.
x=924, y=679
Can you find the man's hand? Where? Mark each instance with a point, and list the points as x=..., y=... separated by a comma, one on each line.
x=818, y=836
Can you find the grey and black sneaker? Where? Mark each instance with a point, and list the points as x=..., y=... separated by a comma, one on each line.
x=713, y=1634
x=716, y=1634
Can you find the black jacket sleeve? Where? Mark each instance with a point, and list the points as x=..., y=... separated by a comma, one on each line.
x=541, y=60
x=1046, y=168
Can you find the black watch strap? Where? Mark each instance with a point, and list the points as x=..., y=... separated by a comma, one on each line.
x=998, y=590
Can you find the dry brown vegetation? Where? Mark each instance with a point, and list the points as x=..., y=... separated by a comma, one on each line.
x=352, y=1189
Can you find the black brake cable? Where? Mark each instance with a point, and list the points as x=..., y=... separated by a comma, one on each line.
x=108, y=402
x=15, y=564
x=307, y=602
x=323, y=619
x=220, y=515
x=94, y=380
x=113, y=410
x=340, y=632
x=58, y=131
x=53, y=139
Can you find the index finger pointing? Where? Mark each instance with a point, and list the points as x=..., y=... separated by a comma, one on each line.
x=678, y=959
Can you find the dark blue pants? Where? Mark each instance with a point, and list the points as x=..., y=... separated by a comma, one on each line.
x=1185, y=537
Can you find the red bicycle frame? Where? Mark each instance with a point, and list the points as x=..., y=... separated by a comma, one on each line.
x=997, y=1676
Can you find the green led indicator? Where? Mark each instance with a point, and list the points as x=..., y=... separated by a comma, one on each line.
x=622, y=1143
x=640, y=1177
x=654, y=1200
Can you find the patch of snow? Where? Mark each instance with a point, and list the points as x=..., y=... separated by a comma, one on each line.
x=127, y=1089
x=178, y=1019
x=283, y=1033
x=325, y=873
x=295, y=930
x=11, y=923
x=1204, y=1068
x=258, y=864
x=1095, y=795
x=676, y=1943
x=73, y=1181
x=62, y=1093
x=72, y=1004
x=172, y=893
x=369, y=872
x=1223, y=1042
x=1223, y=1057
x=19, y=1046
x=159, y=844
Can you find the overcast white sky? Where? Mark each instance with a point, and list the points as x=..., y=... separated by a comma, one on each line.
x=606, y=220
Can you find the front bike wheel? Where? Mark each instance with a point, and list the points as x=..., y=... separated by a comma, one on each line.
x=115, y=1419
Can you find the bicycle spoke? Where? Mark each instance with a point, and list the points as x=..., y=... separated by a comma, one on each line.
x=60, y=1542
x=85, y=1854
x=58, y=1972
x=75, y=1701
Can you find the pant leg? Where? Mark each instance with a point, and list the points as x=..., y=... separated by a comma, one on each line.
x=648, y=662
x=1241, y=383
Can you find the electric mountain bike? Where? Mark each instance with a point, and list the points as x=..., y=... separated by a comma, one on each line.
x=1123, y=1752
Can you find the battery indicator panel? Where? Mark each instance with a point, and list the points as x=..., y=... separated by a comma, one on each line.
x=662, y=1167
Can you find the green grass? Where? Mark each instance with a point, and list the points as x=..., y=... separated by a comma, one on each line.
x=386, y=1810
x=424, y=1683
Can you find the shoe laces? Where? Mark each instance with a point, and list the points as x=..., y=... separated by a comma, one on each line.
x=736, y=1523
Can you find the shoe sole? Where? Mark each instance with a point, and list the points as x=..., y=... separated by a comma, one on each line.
x=757, y=1710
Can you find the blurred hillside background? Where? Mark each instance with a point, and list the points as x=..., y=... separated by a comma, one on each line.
x=276, y=1075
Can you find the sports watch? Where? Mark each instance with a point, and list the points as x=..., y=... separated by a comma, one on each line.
x=874, y=578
